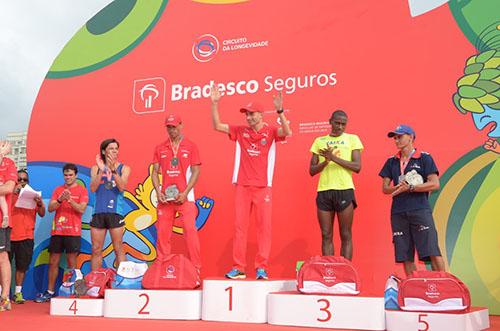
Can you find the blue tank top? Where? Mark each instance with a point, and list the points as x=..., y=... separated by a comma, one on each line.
x=108, y=198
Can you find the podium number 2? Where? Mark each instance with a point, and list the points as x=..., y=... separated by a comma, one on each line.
x=230, y=290
x=141, y=311
x=73, y=308
x=325, y=309
x=421, y=320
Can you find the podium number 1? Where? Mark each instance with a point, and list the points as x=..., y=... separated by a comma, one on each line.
x=325, y=309
x=73, y=308
x=230, y=290
x=421, y=321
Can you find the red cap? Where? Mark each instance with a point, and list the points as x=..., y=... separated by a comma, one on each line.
x=252, y=107
x=173, y=119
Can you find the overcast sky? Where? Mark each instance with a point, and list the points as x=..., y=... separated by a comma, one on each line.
x=32, y=33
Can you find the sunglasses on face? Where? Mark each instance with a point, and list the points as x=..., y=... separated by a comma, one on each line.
x=22, y=179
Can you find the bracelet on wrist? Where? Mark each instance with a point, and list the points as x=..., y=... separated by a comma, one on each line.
x=280, y=111
x=59, y=201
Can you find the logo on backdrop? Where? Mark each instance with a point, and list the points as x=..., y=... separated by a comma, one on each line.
x=149, y=95
x=205, y=48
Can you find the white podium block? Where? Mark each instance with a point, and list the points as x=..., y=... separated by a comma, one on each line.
x=76, y=307
x=475, y=319
x=239, y=300
x=153, y=304
x=326, y=311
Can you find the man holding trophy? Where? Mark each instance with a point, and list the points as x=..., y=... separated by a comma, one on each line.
x=179, y=161
x=413, y=175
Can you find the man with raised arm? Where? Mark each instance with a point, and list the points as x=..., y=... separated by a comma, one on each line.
x=252, y=176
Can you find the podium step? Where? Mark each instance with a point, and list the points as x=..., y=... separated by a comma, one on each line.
x=326, y=311
x=239, y=300
x=76, y=307
x=475, y=319
x=153, y=304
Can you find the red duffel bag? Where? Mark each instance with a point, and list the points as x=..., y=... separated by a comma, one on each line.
x=433, y=291
x=98, y=281
x=175, y=271
x=328, y=275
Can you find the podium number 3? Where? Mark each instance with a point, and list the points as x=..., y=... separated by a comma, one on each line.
x=421, y=321
x=325, y=309
x=230, y=290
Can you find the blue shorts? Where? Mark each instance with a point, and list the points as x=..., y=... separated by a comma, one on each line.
x=414, y=230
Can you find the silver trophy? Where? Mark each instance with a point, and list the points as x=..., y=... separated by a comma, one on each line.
x=413, y=178
x=171, y=192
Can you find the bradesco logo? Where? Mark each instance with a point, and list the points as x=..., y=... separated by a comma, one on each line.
x=432, y=291
x=169, y=272
x=205, y=48
x=288, y=85
x=149, y=95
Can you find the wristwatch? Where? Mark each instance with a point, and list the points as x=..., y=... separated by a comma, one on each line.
x=279, y=111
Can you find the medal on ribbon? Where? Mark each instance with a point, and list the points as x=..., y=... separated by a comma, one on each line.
x=174, y=162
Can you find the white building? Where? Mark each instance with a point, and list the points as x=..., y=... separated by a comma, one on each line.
x=18, y=153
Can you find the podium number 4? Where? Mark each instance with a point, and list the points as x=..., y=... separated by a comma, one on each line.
x=324, y=309
x=421, y=321
x=73, y=308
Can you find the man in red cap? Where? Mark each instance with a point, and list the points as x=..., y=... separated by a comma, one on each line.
x=179, y=161
x=253, y=175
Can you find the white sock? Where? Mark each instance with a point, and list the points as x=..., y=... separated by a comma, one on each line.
x=18, y=289
x=51, y=292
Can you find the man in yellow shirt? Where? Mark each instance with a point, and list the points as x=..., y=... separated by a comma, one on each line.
x=335, y=157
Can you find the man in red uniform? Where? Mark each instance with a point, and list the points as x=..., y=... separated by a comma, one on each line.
x=8, y=175
x=22, y=239
x=179, y=161
x=253, y=176
x=69, y=201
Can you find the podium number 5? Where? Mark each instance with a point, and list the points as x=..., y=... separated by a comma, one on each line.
x=325, y=309
x=230, y=290
x=421, y=321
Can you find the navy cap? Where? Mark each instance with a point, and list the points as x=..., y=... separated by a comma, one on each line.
x=402, y=129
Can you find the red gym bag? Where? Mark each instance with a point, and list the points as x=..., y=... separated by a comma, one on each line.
x=173, y=272
x=98, y=281
x=433, y=291
x=328, y=275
